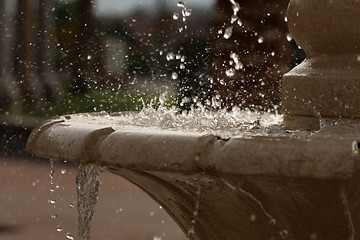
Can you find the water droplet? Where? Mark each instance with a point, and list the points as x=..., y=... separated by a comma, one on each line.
x=285, y=19
x=235, y=7
x=59, y=229
x=175, y=16
x=69, y=236
x=230, y=72
x=272, y=222
x=188, y=12
x=228, y=32
x=233, y=18
x=220, y=31
x=284, y=233
x=260, y=40
x=182, y=66
x=288, y=37
x=180, y=4
x=89, y=57
x=54, y=215
x=63, y=171
x=174, y=76
x=71, y=205
x=52, y=201
x=355, y=147
x=313, y=236
x=239, y=22
x=170, y=56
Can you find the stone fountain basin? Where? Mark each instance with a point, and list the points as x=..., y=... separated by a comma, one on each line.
x=222, y=188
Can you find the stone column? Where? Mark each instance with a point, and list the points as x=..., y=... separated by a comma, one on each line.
x=326, y=86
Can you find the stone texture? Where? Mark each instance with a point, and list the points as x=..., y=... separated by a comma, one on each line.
x=326, y=84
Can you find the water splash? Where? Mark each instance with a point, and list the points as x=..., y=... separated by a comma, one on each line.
x=87, y=189
x=202, y=118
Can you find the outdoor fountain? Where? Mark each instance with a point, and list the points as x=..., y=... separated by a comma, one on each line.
x=249, y=181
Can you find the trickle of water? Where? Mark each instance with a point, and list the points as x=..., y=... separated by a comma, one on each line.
x=197, y=204
x=52, y=172
x=272, y=220
x=347, y=213
x=87, y=181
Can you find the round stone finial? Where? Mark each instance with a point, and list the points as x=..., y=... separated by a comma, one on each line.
x=327, y=83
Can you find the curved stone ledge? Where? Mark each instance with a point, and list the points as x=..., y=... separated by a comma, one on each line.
x=254, y=187
x=84, y=139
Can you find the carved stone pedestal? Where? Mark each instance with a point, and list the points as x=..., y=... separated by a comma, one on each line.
x=327, y=84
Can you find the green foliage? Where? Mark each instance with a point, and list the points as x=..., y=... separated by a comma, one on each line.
x=107, y=101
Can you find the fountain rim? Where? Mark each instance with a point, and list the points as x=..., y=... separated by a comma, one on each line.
x=65, y=139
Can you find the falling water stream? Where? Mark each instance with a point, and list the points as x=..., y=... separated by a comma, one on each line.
x=88, y=190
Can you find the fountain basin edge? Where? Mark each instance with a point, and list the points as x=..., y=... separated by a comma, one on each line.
x=221, y=188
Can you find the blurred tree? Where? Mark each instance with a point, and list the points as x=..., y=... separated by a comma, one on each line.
x=89, y=64
x=2, y=35
x=46, y=50
x=23, y=63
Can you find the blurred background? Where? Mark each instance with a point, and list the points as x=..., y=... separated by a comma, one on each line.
x=71, y=56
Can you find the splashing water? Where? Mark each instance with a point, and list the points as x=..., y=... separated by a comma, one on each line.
x=87, y=188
